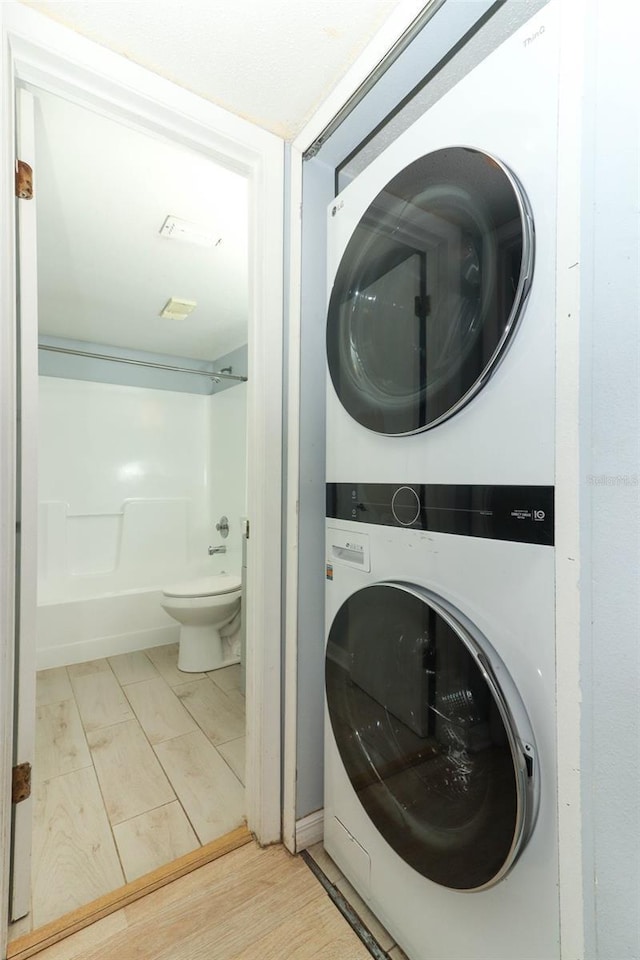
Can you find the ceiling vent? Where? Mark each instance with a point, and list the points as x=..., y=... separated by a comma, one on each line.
x=175, y=229
x=175, y=309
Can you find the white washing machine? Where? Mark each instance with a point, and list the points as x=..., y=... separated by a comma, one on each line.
x=440, y=759
x=441, y=265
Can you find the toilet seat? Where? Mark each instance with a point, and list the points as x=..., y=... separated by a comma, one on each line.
x=204, y=587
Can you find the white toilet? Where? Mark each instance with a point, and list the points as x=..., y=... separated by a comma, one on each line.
x=202, y=608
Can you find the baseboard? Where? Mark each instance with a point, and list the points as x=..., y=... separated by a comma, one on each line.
x=97, y=647
x=309, y=830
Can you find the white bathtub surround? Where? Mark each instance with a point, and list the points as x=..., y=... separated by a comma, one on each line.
x=75, y=631
x=131, y=483
x=122, y=486
x=228, y=470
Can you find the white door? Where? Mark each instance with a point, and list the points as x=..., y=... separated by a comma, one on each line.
x=27, y=506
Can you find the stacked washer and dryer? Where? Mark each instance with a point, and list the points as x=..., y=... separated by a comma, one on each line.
x=440, y=759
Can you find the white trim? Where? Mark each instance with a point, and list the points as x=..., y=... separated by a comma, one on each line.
x=402, y=17
x=568, y=482
x=39, y=51
x=264, y=500
x=24, y=744
x=7, y=473
x=309, y=830
x=290, y=744
x=97, y=647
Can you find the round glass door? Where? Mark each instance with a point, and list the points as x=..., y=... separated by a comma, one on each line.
x=427, y=738
x=429, y=291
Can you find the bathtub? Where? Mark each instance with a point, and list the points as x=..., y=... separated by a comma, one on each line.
x=73, y=631
x=100, y=576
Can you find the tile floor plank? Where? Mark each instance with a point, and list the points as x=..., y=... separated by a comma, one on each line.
x=61, y=746
x=234, y=753
x=100, y=700
x=102, y=697
x=212, y=796
x=227, y=678
x=154, y=839
x=165, y=660
x=89, y=666
x=237, y=699
x=74, y=854
x=131, y=779
x=213, y=711
x=52, y=685
x=132, y=667
x=159, y=711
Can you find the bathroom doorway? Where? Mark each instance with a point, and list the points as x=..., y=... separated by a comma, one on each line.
x=142, y=448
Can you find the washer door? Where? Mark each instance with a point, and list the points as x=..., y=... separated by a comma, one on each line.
x=439, y=753
x=429, y=291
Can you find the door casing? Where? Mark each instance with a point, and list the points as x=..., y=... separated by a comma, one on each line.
x=38, y=52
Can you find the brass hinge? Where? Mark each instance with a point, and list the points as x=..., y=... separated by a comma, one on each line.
x=21, y=783
x=24, y=181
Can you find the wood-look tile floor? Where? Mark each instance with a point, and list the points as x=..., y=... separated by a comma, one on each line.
x=251, y=904
x=136, y=764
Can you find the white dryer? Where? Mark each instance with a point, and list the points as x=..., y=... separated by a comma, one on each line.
x=440, y=760
x=441, y=265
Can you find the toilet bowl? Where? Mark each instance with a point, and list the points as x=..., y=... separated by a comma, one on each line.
x=202, y=607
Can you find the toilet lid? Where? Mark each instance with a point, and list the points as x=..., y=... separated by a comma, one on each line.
x=204, y=586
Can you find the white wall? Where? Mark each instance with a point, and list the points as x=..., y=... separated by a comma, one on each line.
x=123, y=487
x=610, y=508
x=228, y=470
x=317, y=193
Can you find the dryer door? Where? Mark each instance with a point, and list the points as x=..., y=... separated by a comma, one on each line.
x=429, y=291
x=438, y=750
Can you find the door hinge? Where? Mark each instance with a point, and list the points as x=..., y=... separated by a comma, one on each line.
x=24, y=181
x=21, y=783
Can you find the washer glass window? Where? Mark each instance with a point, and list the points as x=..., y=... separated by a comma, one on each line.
x=429, y=291
x=425, y=741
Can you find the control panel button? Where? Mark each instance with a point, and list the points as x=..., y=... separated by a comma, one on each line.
x=405, y=506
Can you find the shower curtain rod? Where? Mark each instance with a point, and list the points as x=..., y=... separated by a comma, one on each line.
x=213, y=375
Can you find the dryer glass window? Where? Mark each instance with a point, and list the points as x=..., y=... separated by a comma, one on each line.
x=429, y=291
x=423, y=739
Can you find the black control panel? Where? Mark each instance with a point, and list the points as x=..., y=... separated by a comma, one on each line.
x=520, y=514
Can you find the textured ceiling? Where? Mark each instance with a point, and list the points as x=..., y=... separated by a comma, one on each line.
x=270, y=61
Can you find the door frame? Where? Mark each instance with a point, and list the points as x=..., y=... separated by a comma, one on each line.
x=40, y=52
